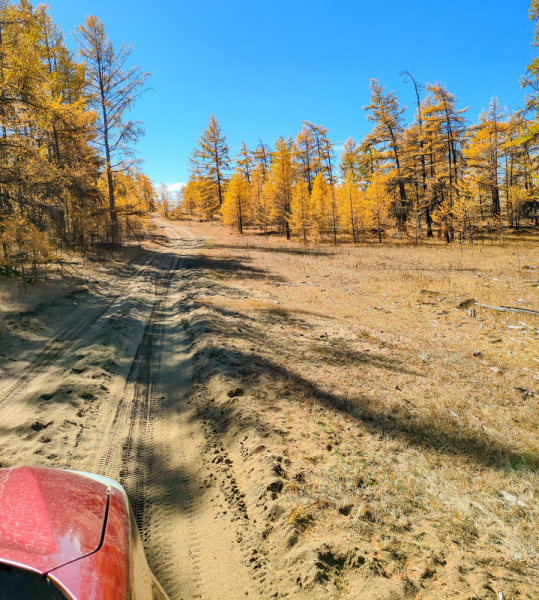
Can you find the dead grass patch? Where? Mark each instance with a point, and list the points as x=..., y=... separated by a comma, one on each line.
x=406, y=416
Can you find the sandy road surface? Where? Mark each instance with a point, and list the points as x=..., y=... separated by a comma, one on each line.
x=110, y=395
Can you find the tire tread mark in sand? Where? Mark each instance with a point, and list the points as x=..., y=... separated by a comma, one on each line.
x=216, y=470
x=184, y=486
x=193, y=536
x=128, y=454
x=222, y=466
x=15, y=385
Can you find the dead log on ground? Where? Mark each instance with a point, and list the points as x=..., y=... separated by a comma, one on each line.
x=510, y=309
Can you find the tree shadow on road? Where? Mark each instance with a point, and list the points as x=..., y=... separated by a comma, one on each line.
x=433, y=430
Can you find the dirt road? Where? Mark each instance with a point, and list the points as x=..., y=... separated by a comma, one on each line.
x=110, y=395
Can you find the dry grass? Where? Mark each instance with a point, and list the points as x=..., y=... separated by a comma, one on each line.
x=397, y=433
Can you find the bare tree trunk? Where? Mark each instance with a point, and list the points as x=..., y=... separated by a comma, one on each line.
x=240, y=219
x=352, y=218
x=110, y=179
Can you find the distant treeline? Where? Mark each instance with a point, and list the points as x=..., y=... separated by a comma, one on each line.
x=438, y=175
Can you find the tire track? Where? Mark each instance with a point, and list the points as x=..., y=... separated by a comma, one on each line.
x=189, y=504
x=128, y=453
x=207, y=511
x=14, y=387
x=198, y=495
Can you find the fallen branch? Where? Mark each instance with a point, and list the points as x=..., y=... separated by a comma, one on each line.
x=510, y=309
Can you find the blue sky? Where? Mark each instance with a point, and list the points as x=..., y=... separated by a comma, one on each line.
x=264, y=67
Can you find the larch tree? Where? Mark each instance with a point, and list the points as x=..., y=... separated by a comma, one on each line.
x=321, y=206
x=260, y=201
x=529, y=202
x=530, y=80
x=306, y=156
x=210, y=162
x=147, y=191
x=205, y=198
x=465, y=209
x=379, y=204
x=163, y=195
x=519, y=149
x=113, y=91
x=244, y=161
x=434, y=147
x=301, y=211
x=417, y=163
x=189, y=197
x=369, y=158
x=352, y=207
x=235, y=207
x=48, y=167
x=511, y=151
x=447, y=130
x=386, y=114
x=280, y=183
x=262, y=156
x=417, y=189
x=349, y=161
x=483, y=152
x=327, y=163
x=348, y=191
x=53, y=169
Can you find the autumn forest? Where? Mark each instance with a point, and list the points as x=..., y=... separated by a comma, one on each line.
x=440, y=175
x=71, y=176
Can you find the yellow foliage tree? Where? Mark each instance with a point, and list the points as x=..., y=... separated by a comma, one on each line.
x=465, y=209
x=301, y=217
x=210, y=164
x=260, y=201
x=22, y=242
x=457, y=215
x=189, y=197
x=235, y=207
x=280, y=184
x=352, y=207
x=204, y=190
x=321, y=206
x=378, y=204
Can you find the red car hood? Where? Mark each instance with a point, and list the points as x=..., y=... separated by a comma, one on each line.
x=49, y=518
